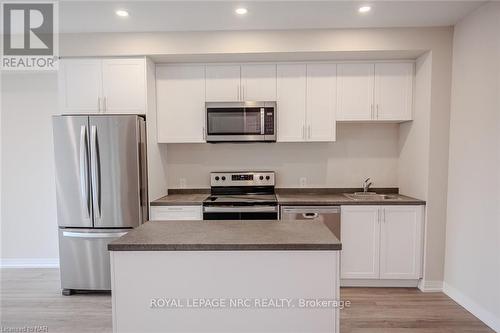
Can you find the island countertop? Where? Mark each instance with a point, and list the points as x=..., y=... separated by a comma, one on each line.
x=223, y=235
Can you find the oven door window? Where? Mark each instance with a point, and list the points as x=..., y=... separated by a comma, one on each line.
x=234, y=121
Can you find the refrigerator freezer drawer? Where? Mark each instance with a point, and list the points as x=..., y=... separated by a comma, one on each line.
x=84, y=257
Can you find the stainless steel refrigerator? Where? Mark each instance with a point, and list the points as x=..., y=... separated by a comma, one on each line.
x=101, y=187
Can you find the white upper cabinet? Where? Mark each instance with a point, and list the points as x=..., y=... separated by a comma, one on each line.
x=180, y=94
x=381, y=92
x=360, y=235
x=258, y=82
x=89, y=86
x=223, y=83
x=291, y=98
x=393, y=91
x=355, y=91
x=321, y=100
x=401, y=242
x=124, y=89
x=80, y=85
x=238, y=83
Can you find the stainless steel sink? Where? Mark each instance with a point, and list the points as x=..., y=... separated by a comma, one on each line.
x=371, y=196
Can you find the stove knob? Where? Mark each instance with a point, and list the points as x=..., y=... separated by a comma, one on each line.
x=217, y=178
x=261, y=177
x=267, y=177
x=223, y=177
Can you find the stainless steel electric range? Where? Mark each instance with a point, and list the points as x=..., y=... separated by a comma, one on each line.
x=246, y=195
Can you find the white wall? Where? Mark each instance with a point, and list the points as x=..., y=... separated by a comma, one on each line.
x=29, y=225
x=258, y=45
x=361, y=151
x=472, y=270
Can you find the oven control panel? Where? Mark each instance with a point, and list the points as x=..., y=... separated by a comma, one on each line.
x=243, y=178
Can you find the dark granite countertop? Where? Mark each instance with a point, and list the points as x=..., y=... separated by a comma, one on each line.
x=181, y=199
x=325, y=198
x=227, y=236
x=295, y=197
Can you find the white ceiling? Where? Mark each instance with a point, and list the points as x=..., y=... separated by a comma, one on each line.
x=99, y=16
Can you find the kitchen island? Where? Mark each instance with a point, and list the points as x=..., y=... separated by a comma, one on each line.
x=226, y=276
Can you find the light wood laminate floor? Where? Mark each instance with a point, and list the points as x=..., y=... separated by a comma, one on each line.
x=31, y=297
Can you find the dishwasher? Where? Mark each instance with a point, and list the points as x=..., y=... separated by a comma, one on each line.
x=329, y=215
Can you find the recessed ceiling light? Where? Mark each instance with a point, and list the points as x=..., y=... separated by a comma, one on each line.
x=364, y=9
x=122, y=13
x=241, y=11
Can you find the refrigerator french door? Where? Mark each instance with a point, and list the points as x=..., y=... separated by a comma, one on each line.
x=100, y=165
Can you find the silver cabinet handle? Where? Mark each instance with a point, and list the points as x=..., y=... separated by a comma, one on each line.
x=93, y=234
x=309, y=131
x=203, y=133
x=95, y=175
x=304, y=132
x=372, y=112
x=84, y=170
x=377, y=111
x=105, y=104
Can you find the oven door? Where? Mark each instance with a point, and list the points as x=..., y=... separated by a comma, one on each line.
x=240, y=212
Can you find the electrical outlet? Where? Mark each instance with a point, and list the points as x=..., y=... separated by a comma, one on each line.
x=302, y=181
x=182, y=182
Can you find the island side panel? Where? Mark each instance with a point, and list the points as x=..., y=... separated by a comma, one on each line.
x=141, y=276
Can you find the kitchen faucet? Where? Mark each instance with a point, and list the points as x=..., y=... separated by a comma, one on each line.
x=366, y=185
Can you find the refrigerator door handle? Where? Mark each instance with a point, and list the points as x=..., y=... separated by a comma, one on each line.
x=84, y=169
x=96, y=181
x=93, y=234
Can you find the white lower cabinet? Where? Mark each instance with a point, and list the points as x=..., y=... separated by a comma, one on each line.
x=168, y=213
x=401, y=242
x=360, y=235
x=381, y=242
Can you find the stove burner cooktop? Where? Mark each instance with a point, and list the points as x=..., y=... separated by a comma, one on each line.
x=243, y=199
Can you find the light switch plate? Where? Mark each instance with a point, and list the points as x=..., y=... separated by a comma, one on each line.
x=302, y=181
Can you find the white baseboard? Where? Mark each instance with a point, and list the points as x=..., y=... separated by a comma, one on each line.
x=477, y=310
x=29, y=263
x=430, y=286
x=378, y=283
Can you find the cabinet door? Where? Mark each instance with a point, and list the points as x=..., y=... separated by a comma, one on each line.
x=321, y=92
x=124, y=85
x=401, y=242
x=360, y=236
x=180, y=96
x=258, y=82
x=223, y=83
x=80, y=82
x=291, y=97
x=355, y=91
x=393, y=91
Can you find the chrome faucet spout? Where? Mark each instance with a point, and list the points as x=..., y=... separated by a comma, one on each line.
x=366, y=185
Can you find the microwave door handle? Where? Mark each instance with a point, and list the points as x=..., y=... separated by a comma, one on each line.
x=262, y=121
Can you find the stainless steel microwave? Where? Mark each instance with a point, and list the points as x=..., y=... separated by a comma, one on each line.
x=241, y=121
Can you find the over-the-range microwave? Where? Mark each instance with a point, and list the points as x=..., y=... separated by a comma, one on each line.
x=240, y=121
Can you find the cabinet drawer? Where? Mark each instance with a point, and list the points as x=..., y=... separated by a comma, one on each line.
x=166, y=213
